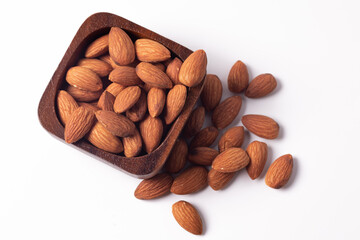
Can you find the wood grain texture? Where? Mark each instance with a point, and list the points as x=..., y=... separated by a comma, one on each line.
x=96, y=26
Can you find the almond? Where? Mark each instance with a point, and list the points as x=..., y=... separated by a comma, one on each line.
x=99, y=67
x=152, y=75
x=257, y=152
x=154, y=187
x=177, y=158
x=218, y=180
x=233, y=137
x=204, y=138
x=106, y=101
x=195, y=122
x=79, y=123
x=138, y=111
x=173, y=70
x=151, y=130
x=156, y=101
x=187, y=217
x=103, y=139
x=115, y=89
x=146, y=87
x=191, y=180
x=121, y=47
x=212, y=92
x=124, y=75
x=231, y=160
x=118, y=125
x=84, y=79
x=98, y=47
x=202, y=155
x=175, y=102
x=89, y=106
x=151, y=51
x=226, y=112
x=261, y=86
x=126, y=99
x=83, y=95
x=160, y=66
x=66, y=105
x=108, y=59
x=193, y=69
x=132, y=144
x=261, y=126
x=238, y=78
x=279, y=172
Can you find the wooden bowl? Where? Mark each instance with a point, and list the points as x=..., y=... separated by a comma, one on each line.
x=95, y=26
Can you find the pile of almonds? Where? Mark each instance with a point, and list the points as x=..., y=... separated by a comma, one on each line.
x=146, y=89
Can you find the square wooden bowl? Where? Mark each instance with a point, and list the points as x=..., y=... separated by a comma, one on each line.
x=95, y=26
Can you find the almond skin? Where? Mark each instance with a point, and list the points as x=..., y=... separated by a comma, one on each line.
x=106, y=101
x=202, y=156
x=257, y=152
x=156, y=101
x=193, y=69
x=160, y=66
x=189, y=181
x=151, y=51
x=89, y=106
x=138, y=111
x=108, y=59
x=103, y=139
x=225, y=113
x=101, y=68
x=117, y=124
x=154, y=187
x=66, y=105
x=126, y=99
x=151, y=130
x=233, y=137
x=175, y=102
x=84, y=79
x=121, y=47
x=132, y=144
x=115, y=89
x=261, y=86
x=231, y=160
x=212, y=92
x=195, y=122
x=279, y=172
x=261, y=126
x=218, y=180
x=205, y=137
x=177, y=158
x=79, y=123
x=152, y=75
x=238, y=78
x=125, y=76
x=83, y=95
x=187, y=217
x=173, y=70
x=98, y=47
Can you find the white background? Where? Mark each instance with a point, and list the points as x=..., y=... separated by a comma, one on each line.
x=49, y=190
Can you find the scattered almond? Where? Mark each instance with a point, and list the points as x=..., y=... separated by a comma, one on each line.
x=101, y=68
x=151, y=130
x=173, y=70
x=154, y=187
x=152, y=75
x=187, y=217
x=189, y=181
x=156, y=101
x=212, y=92
x=195, y=122
x=261, y=86
x=125, y=76
x=238, y=78
x=204, y=138
x=117, y=124
x=279, y=172
x=257, y=152
x=231, y=160
x=175, y=102
x=103, y=139
x=202, y=155
x=225, y=113
x=126, y=99
x=219, y=180
x=261, y=126
x=66, y=105
x=233, y=137
x=98, y=47
x=84, y=79
x=177, y=158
